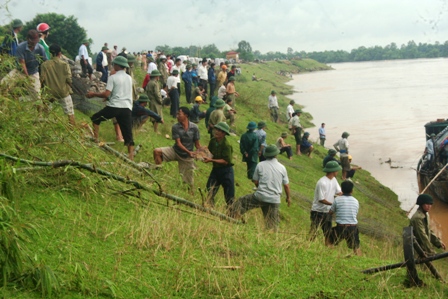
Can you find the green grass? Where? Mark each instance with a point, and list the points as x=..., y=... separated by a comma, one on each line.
x=102, y=242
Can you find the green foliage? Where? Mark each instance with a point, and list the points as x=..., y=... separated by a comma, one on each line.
x=245, y=51
x=65, y=31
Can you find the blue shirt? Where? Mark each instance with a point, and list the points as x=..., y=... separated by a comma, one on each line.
x=187, y=77
x=322, y=133
x=32, y=59
x=211, y=75
x=138, y=111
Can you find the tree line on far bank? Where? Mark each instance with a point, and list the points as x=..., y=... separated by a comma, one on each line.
x=69, y=35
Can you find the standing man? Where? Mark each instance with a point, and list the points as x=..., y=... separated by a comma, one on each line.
x=249, y=148
x=222, y=172
x=273, y=106
x=342, y=147
x=155, y=97
x=11, y=42
x=269, y=176
x=222, y=76
x=322, y=136
x=326, y=189
x=188, y=82
x=203, y=74
x=173, y=93
x=30, y=55
x=212, y=79
x=101, y=64
x=296, y=129
x=177, y=66
x=119, y=92
x=114, y=53
x=346, y=208
x=290, y=110
x=57, y=76
x=231, y=91
x=429, y=150
x=44, y=31
x=261, y=134
x=163, y=69
x=186, y=136
x=84, y=59
x=424, y=236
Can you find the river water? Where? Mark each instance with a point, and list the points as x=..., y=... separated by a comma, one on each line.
x=384, y=105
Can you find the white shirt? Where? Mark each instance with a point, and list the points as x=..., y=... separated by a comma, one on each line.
x=120, y=86
x=104, y=63
x=163, y=93
x=175, y=67
x=171, y=82
x=83, y=52
x=202, y=72
x=325, y=189
x=151, y=66
x=272, y=101
x=222, y=92
x=271, y=176
x=342, y=147
x=289, y=111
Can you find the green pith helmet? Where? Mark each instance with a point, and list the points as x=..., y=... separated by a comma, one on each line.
x=298, y=111
x=251, y=125
x=332, y=152
x=332, y=166
x=306, y=134
x=175, y=72
x=232, y=78
x=261, y=125
x=16, y=24
x=273, y=92
x=223, y=127
x=131, y=58
x=155, y=73
x=284, y=135
x=143, y=98
x=345, y=135
x=271, y=151
x=104, y=48
x=220, y=103
x=121, y=61
x=424, y=199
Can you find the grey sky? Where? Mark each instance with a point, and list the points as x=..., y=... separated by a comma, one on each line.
x=310, y=25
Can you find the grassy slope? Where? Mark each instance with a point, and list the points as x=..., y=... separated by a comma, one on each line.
x=103, y=243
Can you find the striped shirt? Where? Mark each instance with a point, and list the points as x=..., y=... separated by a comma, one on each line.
x=346, y=209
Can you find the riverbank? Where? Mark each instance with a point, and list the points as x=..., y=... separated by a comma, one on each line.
x=385, y=116
x=102, y=238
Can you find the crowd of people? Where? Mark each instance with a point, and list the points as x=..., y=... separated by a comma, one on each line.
x=162, y=86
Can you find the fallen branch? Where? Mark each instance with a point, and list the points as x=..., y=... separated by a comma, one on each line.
x=64, y=163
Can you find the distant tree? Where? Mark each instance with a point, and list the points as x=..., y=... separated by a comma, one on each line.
x=65, y=31
x=245, y=51
x=210, y=51
x=165, y=49
x=180, y=51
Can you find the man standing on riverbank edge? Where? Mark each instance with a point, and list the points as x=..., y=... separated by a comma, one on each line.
x=424, y=236
x=322, y=136
x=342, y=147
x=326, y=189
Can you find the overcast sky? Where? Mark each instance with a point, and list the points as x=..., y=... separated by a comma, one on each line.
x=309, y=25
